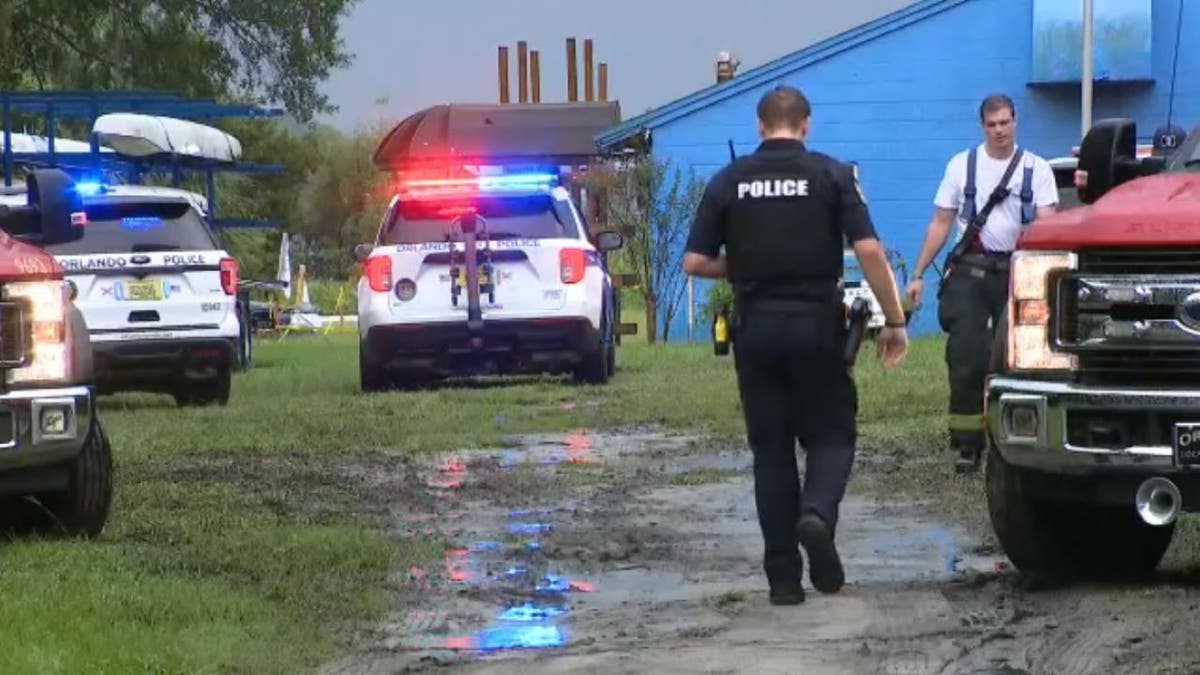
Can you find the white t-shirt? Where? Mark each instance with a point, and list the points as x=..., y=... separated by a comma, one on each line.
x=1003, y=225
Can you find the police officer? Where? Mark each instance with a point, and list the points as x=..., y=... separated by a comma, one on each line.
x=783, y=215
x=974, y=287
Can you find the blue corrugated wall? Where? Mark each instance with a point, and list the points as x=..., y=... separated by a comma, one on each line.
x=903, y=104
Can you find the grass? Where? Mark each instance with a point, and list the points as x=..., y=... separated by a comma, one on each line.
x=240, y=541
x=253, y=538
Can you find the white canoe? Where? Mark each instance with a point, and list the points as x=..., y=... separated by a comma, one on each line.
x=136, y=135
x=32, y=143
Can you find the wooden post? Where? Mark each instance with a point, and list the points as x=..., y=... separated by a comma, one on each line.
x=523, y=71
x=589, y=89
x=572, y=72
x=535, y=76
x=503, y=68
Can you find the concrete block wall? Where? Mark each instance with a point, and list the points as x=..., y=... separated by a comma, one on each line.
x=903, y=104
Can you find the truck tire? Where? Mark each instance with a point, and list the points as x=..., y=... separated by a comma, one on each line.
x=597, y=365
x=594, y=369
x=206, y=392
x=370, y=380
x=83, y=509
x=1023, y=525
x=1058, y=541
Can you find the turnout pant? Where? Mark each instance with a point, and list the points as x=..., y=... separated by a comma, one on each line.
x=970, y=305
x=795, y=386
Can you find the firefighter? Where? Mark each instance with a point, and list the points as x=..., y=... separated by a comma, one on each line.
x=992, y=201
x=782, y=215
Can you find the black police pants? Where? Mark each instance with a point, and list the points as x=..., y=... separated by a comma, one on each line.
x=970, y=306
x=795, y=386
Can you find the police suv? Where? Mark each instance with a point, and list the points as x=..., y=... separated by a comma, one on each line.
x=543, y=301
x=158, y=293
x=854, y=286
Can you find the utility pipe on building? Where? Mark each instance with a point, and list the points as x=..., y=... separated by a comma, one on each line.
x=1087, y=78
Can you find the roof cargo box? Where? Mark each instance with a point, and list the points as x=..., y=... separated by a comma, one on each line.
x=553, y=133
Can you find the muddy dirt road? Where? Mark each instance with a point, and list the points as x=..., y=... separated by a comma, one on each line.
x=639, y=553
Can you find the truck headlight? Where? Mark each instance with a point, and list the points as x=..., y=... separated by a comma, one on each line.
x=50, y=350
x=1029, y=311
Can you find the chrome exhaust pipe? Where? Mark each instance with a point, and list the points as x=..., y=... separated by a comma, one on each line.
x=1158, y=501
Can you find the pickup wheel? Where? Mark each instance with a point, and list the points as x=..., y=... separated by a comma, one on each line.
x=1055, y=541
x=82, y=510
x=1024, y=525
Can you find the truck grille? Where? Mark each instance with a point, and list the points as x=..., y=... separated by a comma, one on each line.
x=1119, y=314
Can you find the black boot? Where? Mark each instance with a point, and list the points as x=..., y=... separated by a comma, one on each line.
x=967, y=460
x=825, y=566
x=784, y=575
x=968, y=446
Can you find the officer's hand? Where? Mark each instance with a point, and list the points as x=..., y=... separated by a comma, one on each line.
x=892, y=345
x=913, y=291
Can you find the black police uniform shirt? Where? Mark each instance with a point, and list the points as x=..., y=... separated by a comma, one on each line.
x=784, y=215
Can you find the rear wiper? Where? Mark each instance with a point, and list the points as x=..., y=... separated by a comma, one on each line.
x=149, y=248
x=506, y=235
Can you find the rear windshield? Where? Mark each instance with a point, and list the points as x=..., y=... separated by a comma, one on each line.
x=136, y=227
x=526, y=217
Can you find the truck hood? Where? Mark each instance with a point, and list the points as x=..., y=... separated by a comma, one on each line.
x=22, y=262
x=1156, y=211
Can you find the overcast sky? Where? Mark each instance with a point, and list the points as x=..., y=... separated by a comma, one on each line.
x=417, y=53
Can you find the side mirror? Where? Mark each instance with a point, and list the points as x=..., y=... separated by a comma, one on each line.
x=609, y=240
x=1108, y=158
x=1152, y=165
x=54, y=214
x=362, y=251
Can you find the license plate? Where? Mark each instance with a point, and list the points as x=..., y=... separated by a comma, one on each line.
x=1186, y=443
x=143, y=290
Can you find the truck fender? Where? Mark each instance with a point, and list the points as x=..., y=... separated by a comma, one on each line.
x=81, y=346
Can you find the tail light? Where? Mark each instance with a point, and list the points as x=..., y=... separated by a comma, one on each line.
x=229, y=276
x=378, y=271
x=571, y=265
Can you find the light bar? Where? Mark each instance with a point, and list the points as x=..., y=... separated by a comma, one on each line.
x=514, y=182
x=89, y=188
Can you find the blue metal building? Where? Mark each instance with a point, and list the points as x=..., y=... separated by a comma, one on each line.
x=900, y=96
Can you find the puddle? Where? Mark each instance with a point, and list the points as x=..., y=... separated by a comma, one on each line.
x=558, y=572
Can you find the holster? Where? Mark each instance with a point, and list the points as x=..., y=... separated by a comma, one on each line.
x=856, y=329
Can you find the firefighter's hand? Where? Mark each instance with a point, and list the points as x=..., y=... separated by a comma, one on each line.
x=914, y=290
x=892, y=345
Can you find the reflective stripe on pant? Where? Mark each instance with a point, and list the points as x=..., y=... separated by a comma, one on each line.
x=970, y=305
x=794, y=386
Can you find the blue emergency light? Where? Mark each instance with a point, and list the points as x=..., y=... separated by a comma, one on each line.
x=89, y=188
x=489, y=180
x=517, y=181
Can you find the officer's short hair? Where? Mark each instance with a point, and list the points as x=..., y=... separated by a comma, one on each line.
x=783, y=106
x=994, y=103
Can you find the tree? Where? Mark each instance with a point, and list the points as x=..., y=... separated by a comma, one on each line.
x=653, y=208
x=245, y=50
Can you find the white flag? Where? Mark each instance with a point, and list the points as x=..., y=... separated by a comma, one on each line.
x=284, y=273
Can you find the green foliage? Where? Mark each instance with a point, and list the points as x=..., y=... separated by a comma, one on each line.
x=719, y=294
x=652, y=206
x=228, y=49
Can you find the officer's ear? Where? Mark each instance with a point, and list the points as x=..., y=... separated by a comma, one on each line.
x=762, y=129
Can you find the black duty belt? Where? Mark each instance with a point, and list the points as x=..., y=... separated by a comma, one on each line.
x=992, y=261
